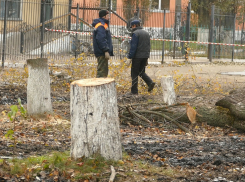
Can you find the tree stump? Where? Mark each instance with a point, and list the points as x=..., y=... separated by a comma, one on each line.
x=94, y=119
x=38, y=87
x=169, y=96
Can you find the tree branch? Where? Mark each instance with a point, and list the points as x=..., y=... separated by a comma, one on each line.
x=113, y=174
x=167, y=117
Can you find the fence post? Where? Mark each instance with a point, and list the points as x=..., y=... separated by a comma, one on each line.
x=211, y=37
x=234, y=35
x=69, y=17
x=177, y=26
x=4, y=33
x=163, y=44
x=21, y=41
x=43, y=26
x=188, y=23
x=138, y=12
x=174, y=43
x=219, y=35
x=242, y=31
x=110, y=8
x=83, y=8
x=77, y=44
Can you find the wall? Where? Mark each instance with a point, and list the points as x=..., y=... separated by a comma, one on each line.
x=31, y=12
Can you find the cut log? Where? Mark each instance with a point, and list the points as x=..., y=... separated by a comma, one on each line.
x=94, y=119
x=38, y=87
x=235, y=103
x=169, y=96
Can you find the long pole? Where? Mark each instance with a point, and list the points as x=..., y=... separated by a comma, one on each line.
x=77, y=45
x=110, y=11
x=43, y=26
x=83, y=10
x=4, y=33
x=138, y=12
x=69, y=17
x=242, y=34
x=163, y=44
x=188, y=24
x=234, y=34
x=211, y=34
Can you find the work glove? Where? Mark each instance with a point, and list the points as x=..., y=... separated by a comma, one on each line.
x=107, y=55
x=128, y=62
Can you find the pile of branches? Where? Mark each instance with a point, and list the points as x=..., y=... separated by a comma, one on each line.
x=149, y=114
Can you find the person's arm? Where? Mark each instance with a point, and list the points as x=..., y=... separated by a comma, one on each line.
x=133, y=46
x=101, y=39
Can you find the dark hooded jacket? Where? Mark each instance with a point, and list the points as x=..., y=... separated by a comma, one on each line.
x=139, y=44
x=102, y=41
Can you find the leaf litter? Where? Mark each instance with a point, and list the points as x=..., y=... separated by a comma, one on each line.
x=211, y=154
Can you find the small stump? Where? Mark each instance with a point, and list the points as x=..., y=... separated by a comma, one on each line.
x=38, y=87
x=94, y=119
x=169, y=96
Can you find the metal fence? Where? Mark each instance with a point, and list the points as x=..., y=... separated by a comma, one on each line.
x=229, y=29
x=24, y=36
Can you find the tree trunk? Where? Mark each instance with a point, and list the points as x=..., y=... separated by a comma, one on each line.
x=235, y=103
x=235, y=108
x=38, y=87
x=94, y=119
x=169, y=96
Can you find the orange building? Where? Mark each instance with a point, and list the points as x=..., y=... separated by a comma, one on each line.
x=153, y=16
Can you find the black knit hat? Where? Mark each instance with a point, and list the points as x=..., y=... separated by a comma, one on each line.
x=134, y=22
x=103, y=12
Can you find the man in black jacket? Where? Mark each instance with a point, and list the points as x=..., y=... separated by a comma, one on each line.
x=102, y=43
x=139, y=53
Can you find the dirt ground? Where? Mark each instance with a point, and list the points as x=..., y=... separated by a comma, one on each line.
x=212, y=154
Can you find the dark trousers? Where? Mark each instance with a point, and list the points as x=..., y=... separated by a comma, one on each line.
x=102, y=68
x=138, y=69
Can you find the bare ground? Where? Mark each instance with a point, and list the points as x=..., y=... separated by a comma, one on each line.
x=212, y=154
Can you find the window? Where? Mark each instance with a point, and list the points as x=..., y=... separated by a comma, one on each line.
x=105, y=3
x=160, y=4
x=13, y=9
x=48, y=8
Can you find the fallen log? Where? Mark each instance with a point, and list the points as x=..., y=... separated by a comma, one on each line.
x=213, y=116
x=236, y=108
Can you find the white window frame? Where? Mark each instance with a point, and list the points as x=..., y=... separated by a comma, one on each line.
x=20, y=13
x=159, y=10
x=107, y=1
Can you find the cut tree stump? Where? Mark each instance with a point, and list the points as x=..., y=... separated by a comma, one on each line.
x=94, y=119
x=38, y=87
x=169, y=96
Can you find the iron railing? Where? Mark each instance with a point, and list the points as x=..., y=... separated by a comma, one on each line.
x=28, y=31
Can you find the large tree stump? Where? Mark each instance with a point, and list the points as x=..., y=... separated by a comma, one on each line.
x=38, y=87
x=169, y=96
x=94, y=119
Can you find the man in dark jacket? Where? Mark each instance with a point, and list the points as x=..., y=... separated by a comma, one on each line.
x=139, y=53
x=102, y=43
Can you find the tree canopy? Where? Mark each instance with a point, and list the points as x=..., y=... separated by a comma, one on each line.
x=227, y=7
x=130, y=6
